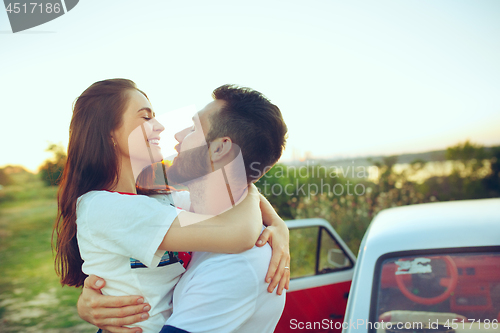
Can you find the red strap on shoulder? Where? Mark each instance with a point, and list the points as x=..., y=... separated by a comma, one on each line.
x=185, y=257
x=126, y=193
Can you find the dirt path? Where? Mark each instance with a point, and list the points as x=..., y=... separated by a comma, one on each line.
x=20, y=315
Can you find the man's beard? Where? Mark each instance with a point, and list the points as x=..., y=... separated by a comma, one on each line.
x=189, y=165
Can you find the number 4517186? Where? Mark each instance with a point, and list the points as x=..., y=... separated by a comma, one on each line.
x=470, y=323
x=33, y=7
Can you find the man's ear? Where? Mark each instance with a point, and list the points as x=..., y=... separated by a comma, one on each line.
x=220, y=148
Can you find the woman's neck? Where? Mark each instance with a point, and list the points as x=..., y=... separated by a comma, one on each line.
x=124, y=186
x=126, y=179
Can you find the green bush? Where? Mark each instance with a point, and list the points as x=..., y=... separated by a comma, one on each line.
x=52, y=169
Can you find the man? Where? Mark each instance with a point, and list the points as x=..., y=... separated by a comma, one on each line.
x=245, y=135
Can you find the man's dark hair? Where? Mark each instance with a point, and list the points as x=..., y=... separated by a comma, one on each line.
x=253, y=123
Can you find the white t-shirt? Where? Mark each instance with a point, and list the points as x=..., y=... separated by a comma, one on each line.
x=118, y=237
x=227, y=293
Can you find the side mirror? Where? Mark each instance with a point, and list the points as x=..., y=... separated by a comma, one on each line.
x=337, y=258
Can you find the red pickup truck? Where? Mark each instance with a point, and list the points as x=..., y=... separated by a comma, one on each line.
x=427, y=268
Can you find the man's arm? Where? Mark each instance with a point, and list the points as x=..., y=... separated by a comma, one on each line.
x=277, y=235
x=110, y=312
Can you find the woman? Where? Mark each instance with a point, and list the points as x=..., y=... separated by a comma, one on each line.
x=121, y=236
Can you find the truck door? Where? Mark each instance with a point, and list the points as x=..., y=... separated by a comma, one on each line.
x=321, y=273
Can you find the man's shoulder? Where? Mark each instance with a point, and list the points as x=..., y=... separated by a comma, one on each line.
x=255, y=254
x=259, y=258
x=258, y=255
x=254, y=261
x=214, y=272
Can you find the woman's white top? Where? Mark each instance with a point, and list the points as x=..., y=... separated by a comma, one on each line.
x=118, y=237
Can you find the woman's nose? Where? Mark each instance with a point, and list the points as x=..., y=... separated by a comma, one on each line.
x=157, y=126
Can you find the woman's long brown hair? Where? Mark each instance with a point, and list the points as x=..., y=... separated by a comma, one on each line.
x=92, y=164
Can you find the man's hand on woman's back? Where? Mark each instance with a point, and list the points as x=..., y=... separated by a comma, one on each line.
x=110, y=312
x=278, y=236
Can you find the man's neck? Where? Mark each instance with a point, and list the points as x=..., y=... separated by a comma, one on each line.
x=211, y=195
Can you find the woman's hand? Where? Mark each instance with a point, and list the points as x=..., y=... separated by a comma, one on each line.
x=277, y=235
x=110, y=312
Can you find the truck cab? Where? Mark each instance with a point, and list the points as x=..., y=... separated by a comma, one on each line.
x=426, y=268
x=429, y=268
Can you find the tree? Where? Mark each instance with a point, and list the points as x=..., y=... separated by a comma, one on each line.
x=387, y=178
x=467, y=178
x=4, y=178
x=51, y=170
x=492, y=180
x=469, y=158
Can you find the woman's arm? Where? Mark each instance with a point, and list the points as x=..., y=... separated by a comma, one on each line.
x=234, y=231
x=111, y=312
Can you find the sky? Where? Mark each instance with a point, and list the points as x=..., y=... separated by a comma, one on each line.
x=352, y=78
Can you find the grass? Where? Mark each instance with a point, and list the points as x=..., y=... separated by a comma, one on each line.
x=31, y=298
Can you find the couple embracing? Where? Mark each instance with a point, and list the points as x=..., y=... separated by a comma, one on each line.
x=165, y=260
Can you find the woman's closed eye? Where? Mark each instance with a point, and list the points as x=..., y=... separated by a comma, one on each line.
x=147, y=115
